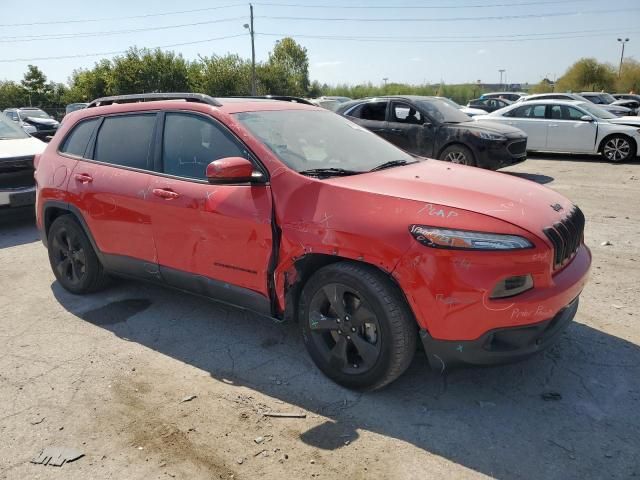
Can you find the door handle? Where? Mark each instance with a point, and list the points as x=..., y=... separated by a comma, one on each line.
x=83, y=177
x=396, y=130
x=165, y=193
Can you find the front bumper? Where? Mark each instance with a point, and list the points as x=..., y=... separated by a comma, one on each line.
x=501, y=345
x=495, y=155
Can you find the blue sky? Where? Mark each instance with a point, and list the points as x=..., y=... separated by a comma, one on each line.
x=429, y=44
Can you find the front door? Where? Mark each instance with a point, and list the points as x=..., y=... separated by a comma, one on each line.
x=212, y=239
x=406, y=129
x=532, y=120
x=567, y=133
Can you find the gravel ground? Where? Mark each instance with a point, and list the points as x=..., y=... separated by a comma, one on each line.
x=108, y=374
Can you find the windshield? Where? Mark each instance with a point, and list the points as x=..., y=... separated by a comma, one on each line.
x=32, y=114
x=9, y=130
x=307, y=140
x=442, y=111
x=607, y=97
x=450, y=102
x=596, y=111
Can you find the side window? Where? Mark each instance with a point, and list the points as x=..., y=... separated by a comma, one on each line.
x=404, y=113
x=530, y=111
x=192, y=142
x=556, y=112
x=570, y=113
x=13, y=116
x=77, y=141
x=125, y=140
x=370, y=111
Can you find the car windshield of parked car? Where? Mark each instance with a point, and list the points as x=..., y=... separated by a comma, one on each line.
x=442, y=112
x=608, y=98
x=9, y=130
x=307, y=140
x=33, y=114
x=597, y=111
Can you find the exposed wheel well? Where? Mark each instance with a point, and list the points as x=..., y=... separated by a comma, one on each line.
x=605, y=139
x=306, y=266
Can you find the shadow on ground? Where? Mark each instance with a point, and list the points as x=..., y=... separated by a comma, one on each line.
x=492, y=420
x=17, y=229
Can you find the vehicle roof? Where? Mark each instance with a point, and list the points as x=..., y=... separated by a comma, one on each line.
x=548, y=101
x=227, y=105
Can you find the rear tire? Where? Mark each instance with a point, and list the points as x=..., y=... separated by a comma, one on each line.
x=72, y=258
x=356, y=326
x=618, y=148
x=458, y=154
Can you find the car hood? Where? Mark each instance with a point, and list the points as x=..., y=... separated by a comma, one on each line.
x=614, y=108
x=473, y=111
x=632, y=121
x=41, y=121
x=492, y=127
x=506, y=197
x=21, y=147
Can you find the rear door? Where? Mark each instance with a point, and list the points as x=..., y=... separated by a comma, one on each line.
x=532, y=120
x=371, y=115
x=109, y=186
x=212, y=239
x=567, y=133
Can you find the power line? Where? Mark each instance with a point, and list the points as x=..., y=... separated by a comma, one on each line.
x=62, y=36
x=458, y=39
x=61, y=57
x=129, y=17
x=422, y=7
x=447, y=19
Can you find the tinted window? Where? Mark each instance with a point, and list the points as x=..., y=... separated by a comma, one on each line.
x=192, y=142
x=370, y=111
x=403, y=113
x=77, y=141
x=13, y=116
x=530, y=111
x=125, y=140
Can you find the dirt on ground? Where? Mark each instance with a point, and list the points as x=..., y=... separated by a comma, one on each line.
x=151, y=383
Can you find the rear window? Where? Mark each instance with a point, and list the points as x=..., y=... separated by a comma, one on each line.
x=370, y=111
x=125, y=140
x=77, y=141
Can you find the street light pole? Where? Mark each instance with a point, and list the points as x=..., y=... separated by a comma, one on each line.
x=622, y=41
x=253, y=51
x=502, y=70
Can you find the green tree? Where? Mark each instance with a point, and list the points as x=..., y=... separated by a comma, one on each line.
x=629, y=80
x=35, y=84
x=287, y=70
x=228, y=75
x=545, y=86
x=12, y=94
x=587, y=74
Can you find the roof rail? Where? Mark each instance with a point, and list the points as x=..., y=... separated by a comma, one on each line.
x=282, y=98
x=151, y=97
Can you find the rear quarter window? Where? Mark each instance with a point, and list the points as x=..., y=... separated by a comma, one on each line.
x=77, y=141
x=126, y=140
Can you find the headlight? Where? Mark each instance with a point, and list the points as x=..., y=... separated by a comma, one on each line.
x=462, y=239
x=488, y=135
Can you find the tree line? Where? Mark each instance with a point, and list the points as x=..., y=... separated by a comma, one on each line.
x=285, y=72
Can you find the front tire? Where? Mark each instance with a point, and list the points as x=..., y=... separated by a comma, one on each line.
x=72, y=258
x=458, y=154
x=356, y=326
x=618, y=148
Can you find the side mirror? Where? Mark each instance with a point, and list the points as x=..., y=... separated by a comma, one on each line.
x=231, y=170
x=586, y=118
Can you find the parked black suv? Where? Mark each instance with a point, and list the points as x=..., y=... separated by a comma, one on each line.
x=430, y=127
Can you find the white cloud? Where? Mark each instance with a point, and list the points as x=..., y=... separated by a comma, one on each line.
x=482, y=51
x=330, y=63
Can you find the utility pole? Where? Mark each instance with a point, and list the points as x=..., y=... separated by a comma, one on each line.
x=385, y=79
x=502, y=70
x=622, y=41
x=253, y=51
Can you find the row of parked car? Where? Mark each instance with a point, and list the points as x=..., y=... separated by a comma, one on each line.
x=620, y=104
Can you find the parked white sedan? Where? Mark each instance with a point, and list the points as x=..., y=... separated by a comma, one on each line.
x=570, y=127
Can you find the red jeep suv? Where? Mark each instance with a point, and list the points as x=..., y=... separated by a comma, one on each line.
x=296, y=213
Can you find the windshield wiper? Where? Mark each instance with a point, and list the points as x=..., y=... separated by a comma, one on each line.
x=389, y=164
x=328, y=172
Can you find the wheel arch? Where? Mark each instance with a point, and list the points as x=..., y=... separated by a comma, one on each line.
x=304, y=267
x=53, y=209
x=609, y=136
x=452, y=143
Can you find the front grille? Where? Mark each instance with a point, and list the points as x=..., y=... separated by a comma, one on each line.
x=517, y=148
x=566, y=236
x=16, y=172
